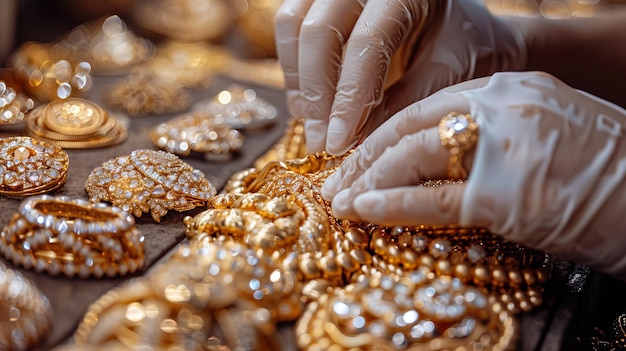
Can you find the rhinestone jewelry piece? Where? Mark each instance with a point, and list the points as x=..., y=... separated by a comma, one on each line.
x=73, y=237
x=149, y=181
x=30, y=166
x=196, y=132
x=239, y=108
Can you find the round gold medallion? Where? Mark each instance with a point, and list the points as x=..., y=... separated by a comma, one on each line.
x=74, y=116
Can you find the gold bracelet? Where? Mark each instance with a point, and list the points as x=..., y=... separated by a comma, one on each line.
x=149, y=181
x=25, y=312
x=31, y=167
x=73, y=237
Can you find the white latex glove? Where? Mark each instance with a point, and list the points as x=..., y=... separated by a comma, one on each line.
x=336, y=56
x=548, y=170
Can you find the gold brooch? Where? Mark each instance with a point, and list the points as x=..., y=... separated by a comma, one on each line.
x=149, y=181
x=75, y=123
x=196, y=132
x=144, y=93
x=29, y=166
x=239, y=108
x=26, y=312
x=73, y=237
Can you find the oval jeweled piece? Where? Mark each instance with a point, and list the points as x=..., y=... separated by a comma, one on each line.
x=149, y=181
x=196, y=132
x=240, y=108
x=30, y=166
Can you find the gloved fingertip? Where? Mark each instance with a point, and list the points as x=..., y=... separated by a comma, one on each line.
x=331, y=187
x=340, y=139
x=370, y=205
x=342, y=205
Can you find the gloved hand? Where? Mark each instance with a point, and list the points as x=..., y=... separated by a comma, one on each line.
x=336, y=57
x=548, y=170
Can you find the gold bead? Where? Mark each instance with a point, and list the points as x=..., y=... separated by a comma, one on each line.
x=409, y=259
x=530, y=276
x=358, y=237
x=462, y=271
x=308, y=266
x=499, y=276
x=392, y=254
x=515, y=278
x=427, y=260
x=443, y=267
x=361, y=256
x=346, y=262
x=481, y=275
x=329, y=267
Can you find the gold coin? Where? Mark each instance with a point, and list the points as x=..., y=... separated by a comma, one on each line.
x=74, y=116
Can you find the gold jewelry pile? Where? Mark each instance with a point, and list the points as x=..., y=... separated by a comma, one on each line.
x=149, y=181
x=75, y=123
x=13, y=105
x=30, y=166
x=25, y=313
x=73, y=237
x=198, y=301
x=196, y=132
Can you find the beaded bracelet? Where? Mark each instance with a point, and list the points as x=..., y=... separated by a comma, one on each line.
x=73, y=237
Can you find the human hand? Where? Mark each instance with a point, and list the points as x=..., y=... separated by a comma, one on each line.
x=336, y=57
x=548, y=170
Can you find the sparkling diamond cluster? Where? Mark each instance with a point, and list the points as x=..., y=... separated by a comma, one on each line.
x=149, y=181
x=29, y=166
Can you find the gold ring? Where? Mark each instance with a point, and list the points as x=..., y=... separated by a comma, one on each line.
x=30, y=167
x=25, y=312
x=458, y=133
x=149, y=181
x=73, y=237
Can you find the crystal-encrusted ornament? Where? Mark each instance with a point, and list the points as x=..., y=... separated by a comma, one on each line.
x=30, y=166
x=149, y=181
